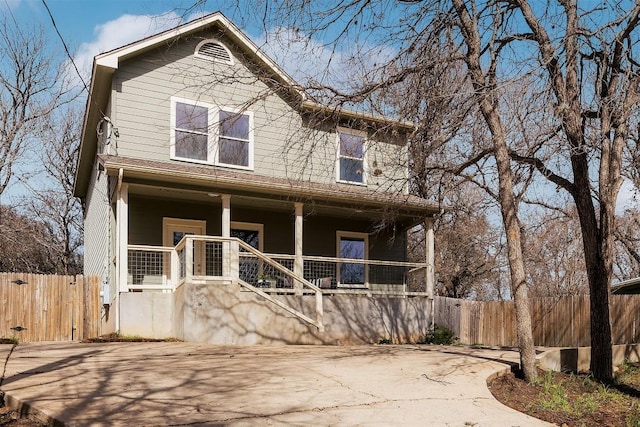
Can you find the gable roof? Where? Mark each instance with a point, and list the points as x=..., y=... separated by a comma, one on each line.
x=105, y=64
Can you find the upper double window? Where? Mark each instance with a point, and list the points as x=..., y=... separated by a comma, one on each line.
x=350, y=160
x=204, y=133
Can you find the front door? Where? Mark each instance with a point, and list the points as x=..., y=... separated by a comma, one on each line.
x=174, y=229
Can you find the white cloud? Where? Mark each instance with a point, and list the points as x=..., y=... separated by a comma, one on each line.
x=308, y=60
x=9, y=4
x=303, y=58
x=120, y=32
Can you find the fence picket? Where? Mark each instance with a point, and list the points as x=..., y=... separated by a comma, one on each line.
x=49, y=306
x=557, y=322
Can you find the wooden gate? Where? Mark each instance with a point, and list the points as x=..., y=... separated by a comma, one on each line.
x=35, y=307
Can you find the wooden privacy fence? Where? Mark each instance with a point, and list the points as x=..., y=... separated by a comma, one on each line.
x=35, y=307
x=557, y=322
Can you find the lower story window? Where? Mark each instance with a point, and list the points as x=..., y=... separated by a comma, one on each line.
x=352, y=246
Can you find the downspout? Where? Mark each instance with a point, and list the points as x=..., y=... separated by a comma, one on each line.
x=117, y=290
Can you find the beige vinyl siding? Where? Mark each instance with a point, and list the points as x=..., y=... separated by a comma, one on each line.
x=145, y=217
x=96, y=226
x=145, y=221
x=145, y=227
x=320, y=237
x=387, y=166
x=283, y=147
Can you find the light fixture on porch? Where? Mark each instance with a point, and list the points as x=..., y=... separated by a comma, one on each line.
x=213, y=195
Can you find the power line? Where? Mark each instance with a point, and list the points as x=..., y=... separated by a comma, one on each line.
x=66, y=49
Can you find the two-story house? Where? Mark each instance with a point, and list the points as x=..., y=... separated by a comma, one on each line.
x=223, y=205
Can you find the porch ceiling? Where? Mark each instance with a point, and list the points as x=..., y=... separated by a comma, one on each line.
x=267, y=204
x=203, y=184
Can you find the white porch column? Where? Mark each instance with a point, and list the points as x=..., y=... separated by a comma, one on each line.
x=429, y=257
x=226, y=232
x=298, y=263
x=430, y=270
x=226, y=215
x=122, y=233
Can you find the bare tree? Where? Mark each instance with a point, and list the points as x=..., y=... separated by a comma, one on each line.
x=554, y=256
x=32, y=85
x=593, y=80
x=583, y=64
x=24, y=244
x=469, y=249
x=627, y=234
x=51, y=202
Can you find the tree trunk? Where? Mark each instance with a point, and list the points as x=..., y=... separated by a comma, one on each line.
x=484, y=91
x=601, y=364
x=519, y=288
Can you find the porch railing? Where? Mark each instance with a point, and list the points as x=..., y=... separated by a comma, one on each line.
x=150, y=268
x=202, y=258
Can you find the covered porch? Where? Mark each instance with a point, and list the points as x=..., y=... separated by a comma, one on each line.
x=338, y=250
x=291, y=249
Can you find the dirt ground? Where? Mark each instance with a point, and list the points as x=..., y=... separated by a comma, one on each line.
x=12, y=419
x=574, y=400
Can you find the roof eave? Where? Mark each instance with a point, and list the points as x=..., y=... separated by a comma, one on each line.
x=396, y=202
x=352, y=114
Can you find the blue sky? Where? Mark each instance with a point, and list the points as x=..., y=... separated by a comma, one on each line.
x=93, y=26
x=90, y=27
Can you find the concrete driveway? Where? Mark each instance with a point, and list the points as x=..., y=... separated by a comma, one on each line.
x=144, y=384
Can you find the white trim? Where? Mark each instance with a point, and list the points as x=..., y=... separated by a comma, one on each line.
x=181, y=223
x=197, y=53
x=172, y=128
x=217, y=138
x=168, y=222
x=251, y=226
x=356, y=235
x=407, y=171
x=122, y=223
x=112, y=58
x=429, y=256
x=298, y=262
x=365, y=166
x=213, y=135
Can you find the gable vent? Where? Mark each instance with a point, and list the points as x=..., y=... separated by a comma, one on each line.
x=214, y=51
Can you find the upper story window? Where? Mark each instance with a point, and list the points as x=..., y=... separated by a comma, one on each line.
x=234, y=141
x=213, y=50
x=204, y=133
x=350, y=160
